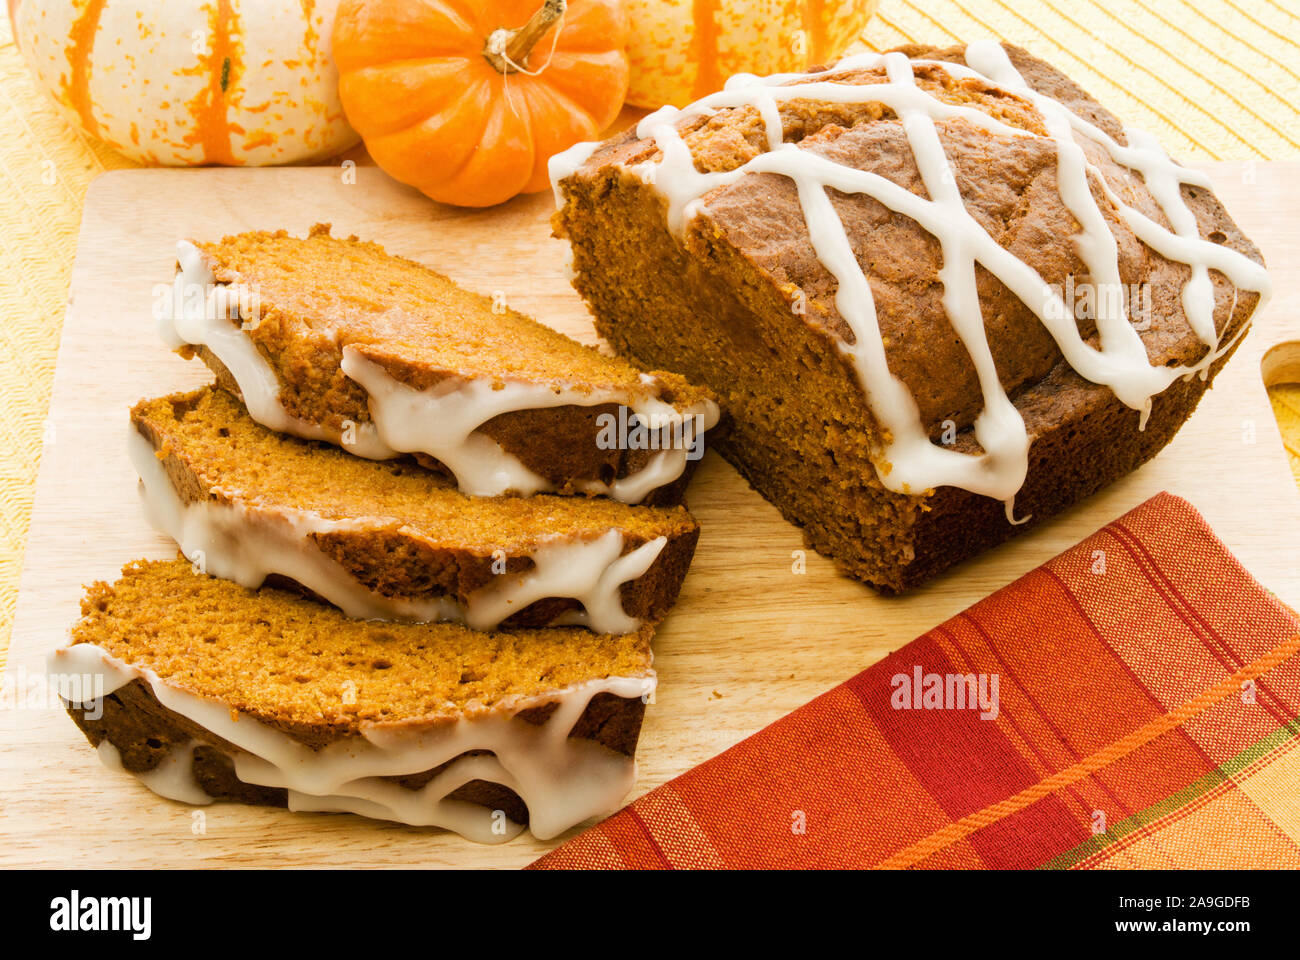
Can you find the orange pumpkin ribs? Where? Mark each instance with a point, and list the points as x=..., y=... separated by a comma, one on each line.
x=468, y=102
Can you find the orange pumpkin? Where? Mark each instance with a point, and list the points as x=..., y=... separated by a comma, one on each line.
x=682, y=49
x=466, y=100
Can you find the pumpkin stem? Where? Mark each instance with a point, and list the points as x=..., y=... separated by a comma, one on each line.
x=508, y=50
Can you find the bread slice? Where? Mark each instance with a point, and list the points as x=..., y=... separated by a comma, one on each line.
x=390, y=540
x=332, y=339
x=207, y=690
x=893, y=309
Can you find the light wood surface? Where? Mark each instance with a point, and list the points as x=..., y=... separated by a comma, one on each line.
x=750, y=639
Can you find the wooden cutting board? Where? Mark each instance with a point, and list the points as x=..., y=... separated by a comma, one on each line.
x=750, y=639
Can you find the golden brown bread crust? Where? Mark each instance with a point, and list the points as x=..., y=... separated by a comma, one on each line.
x=320, y=294
x=144, y=732
x=418, y=542
x=718, y=308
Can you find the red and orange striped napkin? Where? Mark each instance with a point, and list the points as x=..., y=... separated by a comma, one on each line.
x=1132, y=703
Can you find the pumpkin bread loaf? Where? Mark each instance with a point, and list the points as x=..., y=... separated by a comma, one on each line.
x=390, y=540
x=943, y=294
x=332, y=338
x=208, y=690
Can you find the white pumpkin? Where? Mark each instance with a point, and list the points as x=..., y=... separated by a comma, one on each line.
x=188, y=82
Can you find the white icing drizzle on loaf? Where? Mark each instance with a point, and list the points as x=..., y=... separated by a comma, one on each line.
x=566, y=163
x=173, y=778
x=562, y=781
x=246, y=543
x=443, y=420
x=908, y=462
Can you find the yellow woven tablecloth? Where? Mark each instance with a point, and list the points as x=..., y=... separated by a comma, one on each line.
x=1215, y=79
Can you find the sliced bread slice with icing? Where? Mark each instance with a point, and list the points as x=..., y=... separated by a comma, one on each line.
x=390, y=540
x=206, y=690
x=332, y=338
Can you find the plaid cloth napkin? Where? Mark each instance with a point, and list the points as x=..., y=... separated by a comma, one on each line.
x=1132, y=703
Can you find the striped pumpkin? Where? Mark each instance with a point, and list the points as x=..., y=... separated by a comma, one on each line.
x=682, y=49
x=188, y=82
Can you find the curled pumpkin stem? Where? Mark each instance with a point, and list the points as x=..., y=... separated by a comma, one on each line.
x=508, y=50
